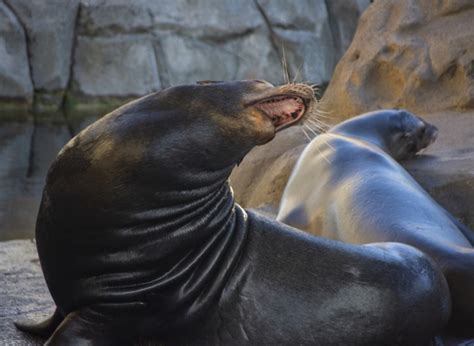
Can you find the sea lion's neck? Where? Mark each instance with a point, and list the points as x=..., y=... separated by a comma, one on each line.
x=365, y=131
x=194, y=246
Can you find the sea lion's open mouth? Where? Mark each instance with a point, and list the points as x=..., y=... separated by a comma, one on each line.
x=282, y=110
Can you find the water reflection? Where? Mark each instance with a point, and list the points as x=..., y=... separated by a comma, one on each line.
x=26, y=152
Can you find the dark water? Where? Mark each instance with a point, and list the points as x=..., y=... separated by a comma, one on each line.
x=26, y=152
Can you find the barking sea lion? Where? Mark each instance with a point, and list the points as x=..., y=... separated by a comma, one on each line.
x=139, y=237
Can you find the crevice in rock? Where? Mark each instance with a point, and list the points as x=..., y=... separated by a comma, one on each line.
x=31, y=157
x=33, y=109
x=64, y=103
x=163, y=73
x=27, y=41
x=224, y=38
x=333, y=29
x=275, y=41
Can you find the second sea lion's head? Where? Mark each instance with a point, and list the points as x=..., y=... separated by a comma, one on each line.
x=411, y=135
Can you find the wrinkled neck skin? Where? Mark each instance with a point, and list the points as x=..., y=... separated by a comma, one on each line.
x=180, y=234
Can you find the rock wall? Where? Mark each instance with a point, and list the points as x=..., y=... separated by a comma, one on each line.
x=63, y=63
x=74, y=54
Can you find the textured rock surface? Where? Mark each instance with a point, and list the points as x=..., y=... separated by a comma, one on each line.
x=15, y=79
x=417, y=55
x=118, y=66
x=304, y=32
x=343, y=18
x=23, y=291
x=120, y=48
x=50, y=30
x=445, y=170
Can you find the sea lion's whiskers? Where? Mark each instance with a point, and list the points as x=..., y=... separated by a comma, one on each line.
x=314, y=120
x=322, y=114
x=297, y=74
x=317, y=126
x=315, y=117
x=306, y=134
x=286, y=75
x=309, y=128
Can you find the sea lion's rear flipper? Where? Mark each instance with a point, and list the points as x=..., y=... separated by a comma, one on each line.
x=44, y=328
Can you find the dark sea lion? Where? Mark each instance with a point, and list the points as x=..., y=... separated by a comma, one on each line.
x=347, y=186
x=139, y=238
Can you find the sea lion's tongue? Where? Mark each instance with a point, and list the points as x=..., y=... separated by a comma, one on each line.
x=282, y=110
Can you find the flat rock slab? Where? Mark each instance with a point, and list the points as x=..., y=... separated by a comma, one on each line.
x=23, y=291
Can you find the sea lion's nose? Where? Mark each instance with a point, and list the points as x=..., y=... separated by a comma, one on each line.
x=433, y=132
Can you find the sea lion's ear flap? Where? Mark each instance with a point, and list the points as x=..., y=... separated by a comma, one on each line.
x=205, y=82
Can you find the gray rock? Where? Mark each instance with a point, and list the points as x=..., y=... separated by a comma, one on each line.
x=311, y=58
x=50, y=29
x=118, y=66
x=303, y=30
x=185, y=59
x=15, y=79
x=257, y=58
x=210, y=18
x=108, y=18
x=218, y=19
x=23, y=291
x=343, y=18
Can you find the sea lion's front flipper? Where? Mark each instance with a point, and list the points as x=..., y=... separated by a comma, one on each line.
x=101, y=324
x=44, y=328
x=76, y=330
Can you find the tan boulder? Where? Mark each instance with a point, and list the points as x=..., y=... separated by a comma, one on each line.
x=417, y=55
